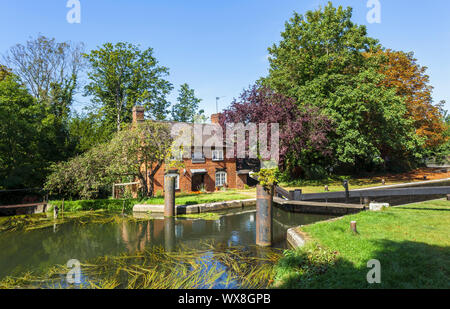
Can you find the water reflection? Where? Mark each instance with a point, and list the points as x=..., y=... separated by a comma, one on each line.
x=40, y=249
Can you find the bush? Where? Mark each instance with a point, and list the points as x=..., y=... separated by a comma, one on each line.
x=86, y=205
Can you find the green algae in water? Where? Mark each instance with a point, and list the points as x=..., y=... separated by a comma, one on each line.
x=156, y=268
x=124, y=252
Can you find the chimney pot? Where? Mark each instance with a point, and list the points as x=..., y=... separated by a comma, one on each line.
x=215, y=118
x=138, y=113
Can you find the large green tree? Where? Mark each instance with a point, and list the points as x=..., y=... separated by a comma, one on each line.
x=320, y=61
x=186, y=108
x=135, y=153
x=121, y=76
x=22, y=163
x=50, y=71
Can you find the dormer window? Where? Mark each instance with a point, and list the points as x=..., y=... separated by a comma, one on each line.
x=217, y=155
x=198, y=157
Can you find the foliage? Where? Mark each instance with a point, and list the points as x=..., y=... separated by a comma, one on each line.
x=187, y=107
x=268, y=177
x=87, y=130
x=319, y=61
x=22, y=158
x=49, y=70
x=46, y=66
x=403, y=73
x=4, y=72
x=303, y=130
x=134, y=153
x=112, y=205
x=121, y=76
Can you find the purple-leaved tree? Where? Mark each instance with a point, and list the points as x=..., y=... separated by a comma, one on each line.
x=303, y=131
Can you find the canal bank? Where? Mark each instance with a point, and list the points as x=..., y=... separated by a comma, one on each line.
x=411, y=242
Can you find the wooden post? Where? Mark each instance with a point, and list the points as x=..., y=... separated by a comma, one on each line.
x=55, y=212
x=448, y=197
x=353, y=227
x=366, y=202
x=113, y=191
x=264, y=201
x=169, y=196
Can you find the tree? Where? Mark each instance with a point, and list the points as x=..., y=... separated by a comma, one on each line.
x=4, y=72
x=49, y=69
x=403, y=73
x=186, y=109
x=133, y=153
x=303, y=130
x=122, y=76
x=88, y=130
x=320, y=62
x=21, y=157
x=140, y=152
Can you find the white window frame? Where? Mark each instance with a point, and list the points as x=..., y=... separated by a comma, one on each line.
x=221, y=176
x=217, y=155
x=177, y=181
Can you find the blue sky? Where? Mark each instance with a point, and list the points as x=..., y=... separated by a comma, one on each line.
x=220, y=47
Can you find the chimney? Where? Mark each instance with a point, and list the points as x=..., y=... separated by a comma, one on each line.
x=138, y=113
x=215, y=118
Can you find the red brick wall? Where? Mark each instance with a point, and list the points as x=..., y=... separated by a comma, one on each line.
x=209, y=180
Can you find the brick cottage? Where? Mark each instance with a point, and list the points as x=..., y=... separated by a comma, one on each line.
x=209, y=172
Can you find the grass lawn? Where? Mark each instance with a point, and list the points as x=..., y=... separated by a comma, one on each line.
x=194, y=199
x=181, y=199
x=412, y=243
x=335, y=183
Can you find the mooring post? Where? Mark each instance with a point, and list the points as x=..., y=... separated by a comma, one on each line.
x=347, y=193
x=264, y=201
x=55, y=212
x=169, y=234
x=353, y=227
x=366, y=202
x=169, y=196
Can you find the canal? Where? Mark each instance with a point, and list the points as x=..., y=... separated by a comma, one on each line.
x=217, y=251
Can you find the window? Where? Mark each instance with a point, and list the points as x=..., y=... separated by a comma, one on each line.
x=177, y=180
x=217, y=155
x=198, y=157
x=221, y=179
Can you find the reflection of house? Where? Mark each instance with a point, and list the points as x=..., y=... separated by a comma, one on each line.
x=207, y=169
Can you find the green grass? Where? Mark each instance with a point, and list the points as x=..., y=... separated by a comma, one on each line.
x=117, y=204
x=194, y=199
x=335, y=185
x=411, y=242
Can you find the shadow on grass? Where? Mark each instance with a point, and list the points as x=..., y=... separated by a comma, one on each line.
x=404, y=265
x=425, y=209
